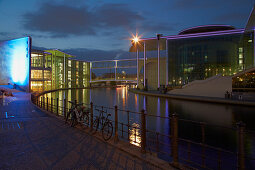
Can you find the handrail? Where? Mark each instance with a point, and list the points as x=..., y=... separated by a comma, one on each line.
x=153, y=141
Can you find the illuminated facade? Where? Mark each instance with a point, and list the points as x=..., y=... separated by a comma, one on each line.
x=41, y=70
x=196, y=53
x=53, y=69
x=15, y=62
x=203, y=55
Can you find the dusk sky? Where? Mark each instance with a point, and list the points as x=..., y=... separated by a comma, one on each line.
x=101, y=29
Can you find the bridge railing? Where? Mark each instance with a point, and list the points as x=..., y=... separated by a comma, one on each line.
x=131, y=126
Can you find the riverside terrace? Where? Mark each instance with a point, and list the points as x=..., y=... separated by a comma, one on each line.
x=171, y=147
x=33, y=139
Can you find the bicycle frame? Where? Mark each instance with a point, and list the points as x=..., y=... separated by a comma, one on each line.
x=101, y=118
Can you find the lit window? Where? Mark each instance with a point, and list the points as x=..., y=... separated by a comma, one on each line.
x=240, y=50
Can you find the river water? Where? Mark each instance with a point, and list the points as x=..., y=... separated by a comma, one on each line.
x=220, y=119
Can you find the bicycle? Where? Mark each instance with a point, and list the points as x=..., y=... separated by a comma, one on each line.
x=106, y=124
x=79, y=114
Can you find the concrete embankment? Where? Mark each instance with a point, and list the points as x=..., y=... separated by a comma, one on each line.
x=194, y=98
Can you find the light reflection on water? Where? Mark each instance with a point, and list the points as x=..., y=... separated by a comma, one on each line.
x=135, y=137
x=215, y=114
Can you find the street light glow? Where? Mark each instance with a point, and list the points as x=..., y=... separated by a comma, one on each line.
x=136, y=39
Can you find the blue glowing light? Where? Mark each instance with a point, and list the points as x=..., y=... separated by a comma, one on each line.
x=15, y=58
x=20, y=61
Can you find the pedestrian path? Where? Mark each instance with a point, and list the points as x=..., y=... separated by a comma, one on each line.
x=32, y=139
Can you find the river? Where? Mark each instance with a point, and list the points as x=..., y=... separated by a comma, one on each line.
x=220, y=119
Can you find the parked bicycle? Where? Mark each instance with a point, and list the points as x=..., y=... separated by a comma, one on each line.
x=78, y=113
x=104, y=123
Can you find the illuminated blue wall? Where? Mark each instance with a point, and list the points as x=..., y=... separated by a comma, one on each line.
x=15, y=62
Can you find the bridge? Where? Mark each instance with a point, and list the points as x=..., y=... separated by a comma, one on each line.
x=121, y=71
x=124, y=71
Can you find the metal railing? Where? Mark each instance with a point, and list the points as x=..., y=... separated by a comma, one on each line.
x=171, y=147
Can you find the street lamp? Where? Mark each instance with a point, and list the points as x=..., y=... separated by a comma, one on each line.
x=136, y=41
x=158, y=43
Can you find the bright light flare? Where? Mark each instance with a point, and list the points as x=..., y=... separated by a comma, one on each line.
x=136, y=39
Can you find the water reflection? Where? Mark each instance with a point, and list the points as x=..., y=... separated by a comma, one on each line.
x=135, y=137
x=215, y=114
x=81, y=96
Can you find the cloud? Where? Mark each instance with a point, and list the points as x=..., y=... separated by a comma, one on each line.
x=64, y=20
x=117, y=15
x=60, y=20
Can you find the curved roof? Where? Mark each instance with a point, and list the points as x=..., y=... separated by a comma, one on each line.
x=206, y=28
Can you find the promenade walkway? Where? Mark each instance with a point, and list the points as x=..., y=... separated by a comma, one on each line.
x=32, y=139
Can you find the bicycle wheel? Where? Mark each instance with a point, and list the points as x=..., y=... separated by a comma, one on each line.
x=95, y=124
x=107, y=130
x=86, y=119
x=68, y=114
x=73, y=120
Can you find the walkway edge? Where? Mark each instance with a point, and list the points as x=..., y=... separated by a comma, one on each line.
x=194, y=98
x=123, y=146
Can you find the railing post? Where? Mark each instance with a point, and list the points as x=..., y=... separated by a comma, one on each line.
x=174, y=141
x=43, y=103
x=91, y=115
x=202, y=124
x=143, y=131
x=241, y=154
x=128, y=125
x=64, y=108
x=116, y=137
x=57, y=107
x=47, y=103
x=51, y=105
x=157, y=142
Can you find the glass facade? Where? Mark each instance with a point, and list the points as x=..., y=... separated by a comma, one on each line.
x=53, y=69
x=198, y=58
x=41, y=71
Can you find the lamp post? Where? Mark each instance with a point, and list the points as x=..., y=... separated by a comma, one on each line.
x=144, y=63
x=137, y=66
x=158, y=39
x=136, y=41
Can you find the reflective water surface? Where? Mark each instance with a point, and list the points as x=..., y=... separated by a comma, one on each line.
x=216, y=116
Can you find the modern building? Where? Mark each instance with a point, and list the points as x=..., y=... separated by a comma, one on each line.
x=197, y=53
x=15, y=63
x=41, y=71
x=54, y=69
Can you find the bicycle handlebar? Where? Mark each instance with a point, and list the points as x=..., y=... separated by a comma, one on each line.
x=108, y=114
x=76, y=104
x=101, y=110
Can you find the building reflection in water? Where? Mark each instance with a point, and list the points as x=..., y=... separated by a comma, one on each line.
x=135, y=136
x=214, y=114
x=81, y=96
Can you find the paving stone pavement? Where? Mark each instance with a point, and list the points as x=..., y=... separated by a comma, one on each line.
x=32, y=139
